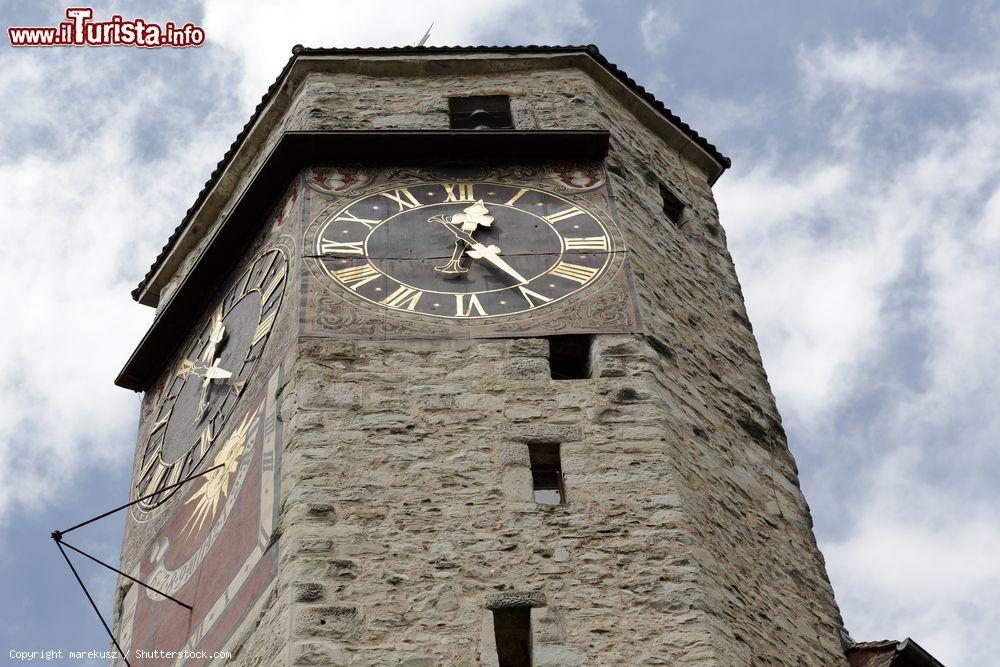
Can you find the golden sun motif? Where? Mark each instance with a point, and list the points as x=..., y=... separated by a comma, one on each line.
x=216, y=484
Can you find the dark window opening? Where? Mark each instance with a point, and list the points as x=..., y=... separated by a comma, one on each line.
x=546, y=474
x=569, y=356
x=673, y=207
x=481, y=112
x=512, y=628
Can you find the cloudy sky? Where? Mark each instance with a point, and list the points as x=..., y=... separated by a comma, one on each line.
x=863, y=213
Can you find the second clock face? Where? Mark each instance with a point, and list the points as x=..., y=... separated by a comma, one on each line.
x=463, y=250
x=209, y=378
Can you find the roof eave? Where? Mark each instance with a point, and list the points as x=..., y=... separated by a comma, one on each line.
x=221, y=187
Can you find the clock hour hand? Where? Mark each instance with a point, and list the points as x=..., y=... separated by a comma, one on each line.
x=454, y=266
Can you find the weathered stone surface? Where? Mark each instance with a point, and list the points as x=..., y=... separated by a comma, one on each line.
x=514, y=599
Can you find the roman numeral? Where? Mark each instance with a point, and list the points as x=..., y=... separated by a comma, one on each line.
x=175, y=474
x=563, y=215
x=347, y=216
x=265, y=295
x=464, y=192
x=205, y=441
x=154, y=483
x=402, y=295
x=145, y=471
x=158, y=425
x=529, y=296
x=510, y=202
x=403, y=197
x=188, y=462
x=356, y=276
x=263, y=328
x=267, y=262
x=575, y=272
x=343, y=248
x=267, y=461
x=587, y=243
x=461, y=310
x=185, y=368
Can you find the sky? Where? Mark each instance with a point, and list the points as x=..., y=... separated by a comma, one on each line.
x=862, y=211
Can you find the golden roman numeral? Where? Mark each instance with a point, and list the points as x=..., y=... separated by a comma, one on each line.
x=154, y=481
x=403, y=197
x=528, y=294
x=510, y=202
x=356, y=276
x=559, y=216
x=462, y=311
x=145, y=471
x=263, y=328
x=205, y=441
x=575, y=272
x=587, y=243
x=267, y=268
x=402, y=295
x=342, y=247
x=347, y=216
x=464, y=192
x=269, y=290
x=175, y=473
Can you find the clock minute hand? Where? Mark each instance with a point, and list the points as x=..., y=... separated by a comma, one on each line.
x=213, y=372
x=477, y=250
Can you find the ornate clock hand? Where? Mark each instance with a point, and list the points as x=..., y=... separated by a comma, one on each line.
x=471, y=219
x=213, y=372
x=214, y=338
x=491, y=254
x=454, y=266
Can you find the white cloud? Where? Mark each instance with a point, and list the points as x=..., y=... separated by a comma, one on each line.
x=867, y=249
x=657, y=27
x=865, y=65
x=262, y=33
x=98, y=165
x=920, y=565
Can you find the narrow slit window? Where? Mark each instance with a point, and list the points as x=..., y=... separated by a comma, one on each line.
x=673, y=207
x=481, y=112
x=569, y=356
x=546, y=474
x=512, y=627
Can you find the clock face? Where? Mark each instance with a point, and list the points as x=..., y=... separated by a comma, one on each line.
x=463, y=250
x=209, y=378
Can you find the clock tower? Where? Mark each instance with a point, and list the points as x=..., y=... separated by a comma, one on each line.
x=451, y=366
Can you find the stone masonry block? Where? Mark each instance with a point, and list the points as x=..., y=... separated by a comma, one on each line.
x=539, y=432
x=525, y=368
x=508, y=599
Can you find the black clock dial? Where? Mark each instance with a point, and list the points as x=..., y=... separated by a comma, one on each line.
x=210, y=376
x=464, y=250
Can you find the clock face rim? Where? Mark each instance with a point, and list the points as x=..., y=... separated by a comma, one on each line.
x=152, y=459
x=329, y=215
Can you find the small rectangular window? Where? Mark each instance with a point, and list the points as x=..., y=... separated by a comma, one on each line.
x=481, y=112
x=569, y=356
x=512, y=628
x=546, y=474
x=673, y=207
